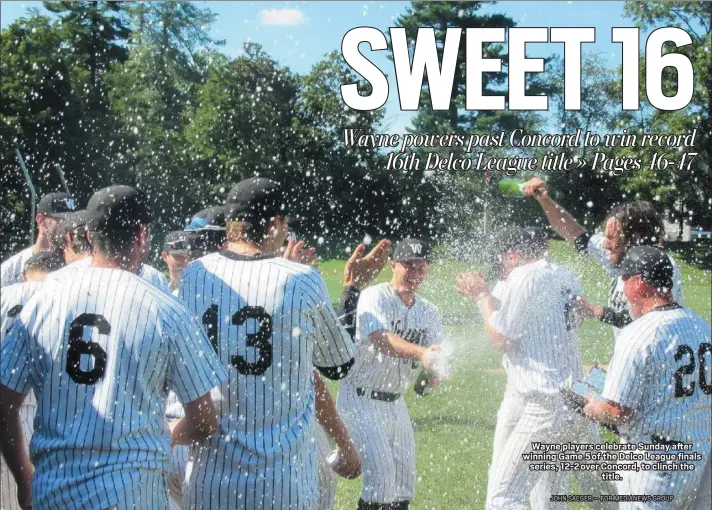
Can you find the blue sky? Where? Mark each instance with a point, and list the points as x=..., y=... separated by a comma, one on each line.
x=298, y=34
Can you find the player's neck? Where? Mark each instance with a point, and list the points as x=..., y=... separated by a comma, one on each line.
x=654, y=302
x=250, y=249
x=406, y=295
x=125, y=263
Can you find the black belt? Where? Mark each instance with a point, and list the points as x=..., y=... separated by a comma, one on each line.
x=378, y=395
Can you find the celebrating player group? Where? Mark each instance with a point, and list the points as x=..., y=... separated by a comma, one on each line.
x=123, y=389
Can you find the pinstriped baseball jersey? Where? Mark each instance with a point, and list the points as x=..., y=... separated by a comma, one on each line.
x=616, y=297
x=534, y=314
x=661, y=368
x=11, y=269
x=12, y=299
x=148, y=273
x=379, y=308
x=271, y=322
x=100, y=352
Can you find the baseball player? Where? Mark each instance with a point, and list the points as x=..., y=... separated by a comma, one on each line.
x=100, y=351
x=535, y=331
x=627, y=225
x=396, y=329
x=12, y=299
x=270, y=321
x=72, y=238
x=658, y=389
x=51, y=209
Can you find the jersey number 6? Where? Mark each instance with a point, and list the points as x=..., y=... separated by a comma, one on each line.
x=77, y=347
x=258, y=340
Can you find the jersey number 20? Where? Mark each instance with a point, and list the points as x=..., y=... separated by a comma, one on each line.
x=258, y=340
x=689, y=389
x=78, y=346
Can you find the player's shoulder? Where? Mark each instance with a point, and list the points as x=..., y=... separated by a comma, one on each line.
x=378, y=292
x=427, y=307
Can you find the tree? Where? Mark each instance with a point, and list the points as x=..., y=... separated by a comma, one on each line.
x=685, y=193
x=470, y=188
x=37, y=116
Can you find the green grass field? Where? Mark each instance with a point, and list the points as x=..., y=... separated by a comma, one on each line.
x=454, y=426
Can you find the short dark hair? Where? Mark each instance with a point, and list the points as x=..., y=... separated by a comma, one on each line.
x=45, y=261
x=114, y=245
x=640, y=222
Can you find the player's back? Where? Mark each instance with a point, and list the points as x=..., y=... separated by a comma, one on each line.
x=535, y=312
x=271, y=322
x=671, y=350
x=100, y=355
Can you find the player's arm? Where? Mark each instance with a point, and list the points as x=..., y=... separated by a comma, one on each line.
x=200, y=421
x=625, y=381
x=328, y=417
x=474, y=286
x=392, y=345
x=360, y=270
x=604, y=314
x=607, y=412
x=14, y=446
x=561, y=221
x=194, y=370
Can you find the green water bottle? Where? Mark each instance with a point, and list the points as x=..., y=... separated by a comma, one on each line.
x=420, y=383
x=511, y=187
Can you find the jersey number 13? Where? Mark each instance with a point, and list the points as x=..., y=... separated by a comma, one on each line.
x=258, y=340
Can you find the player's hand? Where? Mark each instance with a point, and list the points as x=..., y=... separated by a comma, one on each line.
x=429, y=357
x=434, y=382
x=536, y=188
x=296, y=253
x=348, y=462
x=361, y=269
x=471, y=285
x=587, y=309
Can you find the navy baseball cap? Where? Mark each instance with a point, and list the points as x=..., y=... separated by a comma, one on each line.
x=411, y=249
x=57, y=204
x=73, y=222
x=652, y=264
x=117, y=208
x=254, y=199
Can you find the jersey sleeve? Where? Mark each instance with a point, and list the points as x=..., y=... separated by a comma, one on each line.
x=194, y=367
x=16, y=359
x=372, y=314
x=511, y=318
x=333, y=346
x=626, y=372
